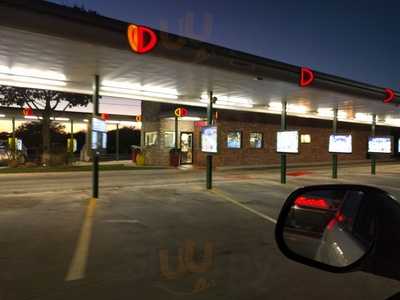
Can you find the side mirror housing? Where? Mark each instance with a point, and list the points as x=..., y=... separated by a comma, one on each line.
x=341, y=228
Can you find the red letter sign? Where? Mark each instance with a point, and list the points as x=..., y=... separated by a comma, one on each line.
x=105, y=117
x=141, y=39
x=27, y=112
x=390, y=96
x=181, y=112
x=306, y=77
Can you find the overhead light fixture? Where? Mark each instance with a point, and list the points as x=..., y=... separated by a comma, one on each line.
x=392, y=121
x=124, y=123
x=328, y=113
x=275, y=106
x=298, y=109
x=228, y=101
x=60, y=119
x=31, y=76
x=363, y=117
x=190, y=119
x=137, y=90
x=32, y=118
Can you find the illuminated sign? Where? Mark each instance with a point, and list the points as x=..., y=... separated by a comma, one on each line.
x=287, y=142
x=380, y=144
x=389, y=96
x=209, y=139
x=181, y=112
x=306, y=77
x=99, y=125
x=138, y=118
x=200, y=123
x=340, y=143
x=105, y=117
x=27, y=112
x=141, y=39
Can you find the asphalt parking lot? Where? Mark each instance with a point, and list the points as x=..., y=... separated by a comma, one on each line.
x=161, y=235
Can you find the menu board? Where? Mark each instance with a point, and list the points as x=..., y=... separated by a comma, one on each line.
x=234, y=140
x=209, y=139
x=287, y=142
x=380, y=144
x=340, y=143
x=99, y=125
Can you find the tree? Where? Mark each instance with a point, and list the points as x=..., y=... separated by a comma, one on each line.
x=128, y=136
x=45, y=102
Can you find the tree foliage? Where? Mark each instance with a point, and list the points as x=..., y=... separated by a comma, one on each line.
x=45, y=102
x=42, y=100
x=31, y=132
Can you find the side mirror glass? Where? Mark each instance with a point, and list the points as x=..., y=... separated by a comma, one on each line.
x=333, y=226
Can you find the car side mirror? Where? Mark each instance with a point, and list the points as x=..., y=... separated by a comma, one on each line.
x=330, y=227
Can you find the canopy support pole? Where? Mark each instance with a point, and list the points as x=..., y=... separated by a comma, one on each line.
x=117, y=143
x=95, y=152
x=334, y=155
x=209, y=156
x=283, y=155
x=13, y=142
x=176, y=132
x=373, y=156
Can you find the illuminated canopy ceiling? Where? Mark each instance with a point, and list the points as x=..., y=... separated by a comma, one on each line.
x=46, y=46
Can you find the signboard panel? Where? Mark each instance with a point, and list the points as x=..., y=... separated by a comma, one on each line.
x=104, y=140
x=340, y=143
x=380, y=144
x=74, y=145
x=209, y=139
x=99, y=134
x=287, y=142
x=99, y=125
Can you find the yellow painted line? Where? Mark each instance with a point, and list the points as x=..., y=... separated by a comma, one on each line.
x=78, y=264
x=237, y=203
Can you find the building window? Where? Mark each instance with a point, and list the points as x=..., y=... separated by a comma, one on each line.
x=169, y=139
x=150, y=138
x=256, y=140
x=305, y=138
x=234, y=140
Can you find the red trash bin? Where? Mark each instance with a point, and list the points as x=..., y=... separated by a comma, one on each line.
x=135, y=153
x=175, y=157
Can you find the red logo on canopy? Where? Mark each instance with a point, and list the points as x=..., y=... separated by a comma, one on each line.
x=105, y=117
x=181, y=112
x=306, y=77
x=27, y=112
x=389, y=96
x=141, y=39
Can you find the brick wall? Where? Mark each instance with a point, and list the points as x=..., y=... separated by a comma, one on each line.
x=316, y=151
x=159, y=154
x=247, y=122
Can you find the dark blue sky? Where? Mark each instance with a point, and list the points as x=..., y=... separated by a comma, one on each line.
x=350, y=38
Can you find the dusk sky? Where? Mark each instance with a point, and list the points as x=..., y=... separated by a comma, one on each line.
x=353, y=39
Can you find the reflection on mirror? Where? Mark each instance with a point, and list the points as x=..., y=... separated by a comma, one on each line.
x=332, y=226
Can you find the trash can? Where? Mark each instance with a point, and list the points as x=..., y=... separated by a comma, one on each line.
x=135, y=152
x=175, y=157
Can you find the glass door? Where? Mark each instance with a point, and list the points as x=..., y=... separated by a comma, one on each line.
x=186, y=148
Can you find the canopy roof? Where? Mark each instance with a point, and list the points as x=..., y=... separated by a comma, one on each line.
x=45, y=45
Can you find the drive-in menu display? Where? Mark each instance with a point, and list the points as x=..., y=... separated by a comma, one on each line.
x=382, y=144
x=340, y=143
x=209, y=139
x=287, y=142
